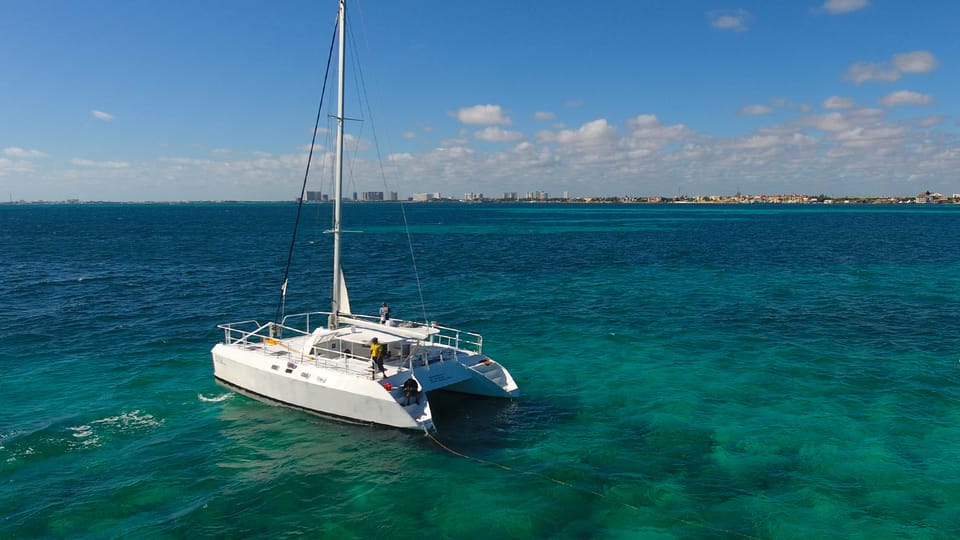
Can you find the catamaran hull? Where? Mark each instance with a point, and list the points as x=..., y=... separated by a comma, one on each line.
x=316, y=389
x=484, y=378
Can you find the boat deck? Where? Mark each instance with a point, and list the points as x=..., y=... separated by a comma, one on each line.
x=347, y=350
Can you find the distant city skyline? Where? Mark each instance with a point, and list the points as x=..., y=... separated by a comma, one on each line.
x=215, y=101
x=926, y=197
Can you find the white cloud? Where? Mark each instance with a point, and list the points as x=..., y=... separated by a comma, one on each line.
x=735, y=20
x=837, y=102
x=17, y=152
x=782, y=102
x=862, y=72
x=9, y=166
x=409, y=135
x=544, y=115
x=351, y=143
x=100, y=115
x=648, y=136
x=841, y=149
x=773, y=139
x=829, y=122
x=840, y=121
x=100, y=164
x=912, y=62
x=356, y=144
x=906, y=97
x=643, y=121
x=587, y=134
x=462, y=139
x=495, y=134
x=915, y=62
x=456, y=152
x=755, y=110
x=482, y=114
x=837, y=7
x=648, y=126
x=929, y=121
x=869, y=137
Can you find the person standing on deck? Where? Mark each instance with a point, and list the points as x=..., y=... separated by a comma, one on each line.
x=376, y=355
x=384, y=313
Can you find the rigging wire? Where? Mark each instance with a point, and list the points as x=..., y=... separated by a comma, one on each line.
x=383, y=176
x=306, y=174
x=357, y=74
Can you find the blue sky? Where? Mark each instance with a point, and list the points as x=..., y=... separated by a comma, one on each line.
x=209, y=100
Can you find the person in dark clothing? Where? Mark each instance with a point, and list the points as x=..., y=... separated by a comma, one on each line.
x=411, y=388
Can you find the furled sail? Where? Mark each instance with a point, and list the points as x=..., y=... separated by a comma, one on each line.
x=344, y=299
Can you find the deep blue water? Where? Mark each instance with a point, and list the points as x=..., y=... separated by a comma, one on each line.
x=688, y=371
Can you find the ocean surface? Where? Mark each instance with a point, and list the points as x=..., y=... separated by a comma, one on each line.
x=688, y=371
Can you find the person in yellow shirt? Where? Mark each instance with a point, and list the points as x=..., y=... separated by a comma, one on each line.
x=377, y=351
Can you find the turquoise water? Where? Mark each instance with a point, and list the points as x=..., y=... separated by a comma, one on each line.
x=688, y=372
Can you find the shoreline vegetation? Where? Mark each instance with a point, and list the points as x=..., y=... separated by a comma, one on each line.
x=923, y=198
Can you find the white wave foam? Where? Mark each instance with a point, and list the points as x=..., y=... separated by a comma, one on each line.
x=87, y=435
x=92, y=441
x=81, y=432
x=28, y=451
x=132, y=419
x=217, y=399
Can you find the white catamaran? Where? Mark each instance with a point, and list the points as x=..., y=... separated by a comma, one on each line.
x=322, y=362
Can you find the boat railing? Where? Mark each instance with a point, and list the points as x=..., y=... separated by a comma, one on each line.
x=306, y=322
x=240, y=332
x=445, y=335
x=458, y=339
x=252, y=332
x=340, y=360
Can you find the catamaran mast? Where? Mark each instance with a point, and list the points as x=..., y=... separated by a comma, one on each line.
x=338, y=171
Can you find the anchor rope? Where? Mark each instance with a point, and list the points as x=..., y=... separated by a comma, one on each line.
x=578, y=488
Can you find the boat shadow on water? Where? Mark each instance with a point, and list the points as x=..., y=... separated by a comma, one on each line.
x=473, y=424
